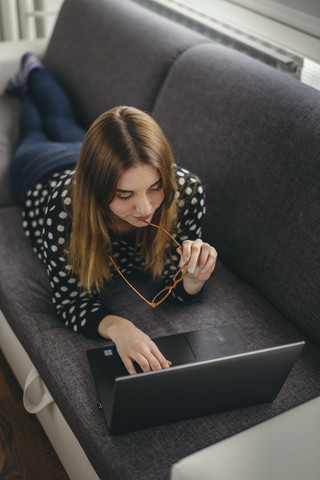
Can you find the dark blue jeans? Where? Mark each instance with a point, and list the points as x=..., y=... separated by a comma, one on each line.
x=50, y=137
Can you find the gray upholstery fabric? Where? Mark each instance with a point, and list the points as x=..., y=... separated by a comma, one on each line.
x=102, y=69
x=253, y=135
x=59, y=355
x=9, y=125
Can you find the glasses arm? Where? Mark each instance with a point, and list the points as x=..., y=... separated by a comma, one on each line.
x=128, y=283
x=168, y=289
x=165, y=231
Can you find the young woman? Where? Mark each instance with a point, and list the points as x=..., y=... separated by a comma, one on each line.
x=111, y=215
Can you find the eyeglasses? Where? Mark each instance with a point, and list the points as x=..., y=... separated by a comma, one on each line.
x=165, y=292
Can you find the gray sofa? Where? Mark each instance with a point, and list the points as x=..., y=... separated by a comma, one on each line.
x=252, y=134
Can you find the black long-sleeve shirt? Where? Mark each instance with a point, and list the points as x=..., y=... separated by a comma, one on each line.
x=47, y=224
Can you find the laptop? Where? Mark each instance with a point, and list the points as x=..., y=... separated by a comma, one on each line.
x=212, y=371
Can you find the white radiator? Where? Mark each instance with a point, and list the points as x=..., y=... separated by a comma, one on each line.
x=27, y=19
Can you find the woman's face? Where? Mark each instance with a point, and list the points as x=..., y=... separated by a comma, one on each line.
x=138, y=195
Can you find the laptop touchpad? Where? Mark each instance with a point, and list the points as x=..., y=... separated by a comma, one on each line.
x=175, y=348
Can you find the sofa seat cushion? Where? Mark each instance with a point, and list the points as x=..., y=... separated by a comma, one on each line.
x=60, y=357
x=9, y=125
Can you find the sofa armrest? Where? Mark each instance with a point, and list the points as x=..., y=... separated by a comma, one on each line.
x=63, y=440
x=284, y=447
x=11, y=52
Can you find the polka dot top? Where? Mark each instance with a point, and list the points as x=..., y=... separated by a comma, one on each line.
x=47, y=224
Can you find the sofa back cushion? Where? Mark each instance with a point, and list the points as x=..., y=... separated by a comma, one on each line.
x=253, y=135
x=111, y=52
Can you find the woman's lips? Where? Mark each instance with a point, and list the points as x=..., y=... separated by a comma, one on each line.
x=142, y=219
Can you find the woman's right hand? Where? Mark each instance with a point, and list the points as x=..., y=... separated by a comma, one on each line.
x=132, y=344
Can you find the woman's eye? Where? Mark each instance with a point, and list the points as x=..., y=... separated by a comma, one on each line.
x=156, y=189
x=122, y=197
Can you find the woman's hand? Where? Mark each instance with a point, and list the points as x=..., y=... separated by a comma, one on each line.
x=201, y=259
x=132, y=344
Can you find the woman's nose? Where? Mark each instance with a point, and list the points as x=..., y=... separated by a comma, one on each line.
x=143, y=205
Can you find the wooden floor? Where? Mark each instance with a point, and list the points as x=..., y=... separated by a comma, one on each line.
x=25, y=451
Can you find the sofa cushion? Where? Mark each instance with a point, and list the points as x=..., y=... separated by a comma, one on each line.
x=253, y=136
x=9, y=125
x=59, y=355
x=96, y=56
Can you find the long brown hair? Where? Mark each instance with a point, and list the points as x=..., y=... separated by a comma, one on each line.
x=119, y=139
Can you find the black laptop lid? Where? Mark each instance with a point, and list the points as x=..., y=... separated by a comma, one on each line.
x=212, y=372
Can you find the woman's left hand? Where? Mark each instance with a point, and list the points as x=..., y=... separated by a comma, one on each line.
x=201, y=259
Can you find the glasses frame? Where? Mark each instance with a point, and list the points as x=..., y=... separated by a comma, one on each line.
x=168, y=288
